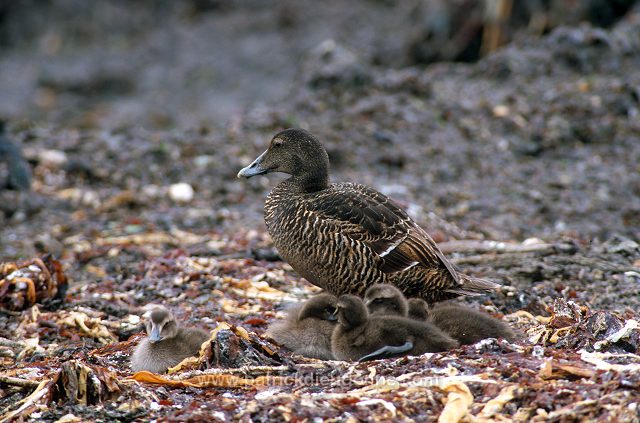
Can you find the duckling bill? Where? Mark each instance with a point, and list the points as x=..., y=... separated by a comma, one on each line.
x=359, y=336
x=308, y=327
x=345, y=237
x=167, y=344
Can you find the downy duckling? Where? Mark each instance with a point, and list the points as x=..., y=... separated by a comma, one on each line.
x=469, y=326
x=359, y=336
x=466, y=325
x=418, y=309
x=308, y=327
x=383, y=299
x=167, y=344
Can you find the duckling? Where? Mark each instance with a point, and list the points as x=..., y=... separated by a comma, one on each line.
x=385, y=299
x=335, y=234
x=359, y=336
x=418, y=309
x=308, y=327
x=167, y=343
x=469, y=326
x=463, y=324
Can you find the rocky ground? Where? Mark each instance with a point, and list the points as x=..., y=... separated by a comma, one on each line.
x=524, y=166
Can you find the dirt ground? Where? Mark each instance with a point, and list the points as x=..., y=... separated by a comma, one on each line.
x=525, y=166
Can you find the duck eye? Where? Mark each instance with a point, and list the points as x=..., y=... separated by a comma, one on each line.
x=378, y=301
x=277, y=142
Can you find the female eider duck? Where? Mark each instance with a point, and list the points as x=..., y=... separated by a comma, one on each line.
x=308, y=327
x=167, y=343
x=345, y=237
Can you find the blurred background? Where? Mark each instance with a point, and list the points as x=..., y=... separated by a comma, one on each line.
x=493, y=119
x=195, y=62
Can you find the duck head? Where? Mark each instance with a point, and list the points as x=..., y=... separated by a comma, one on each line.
x=418, y=309
x=322, y=306
x=385, y=299
x=161, y=325
x=295, y=152
x=351, y=311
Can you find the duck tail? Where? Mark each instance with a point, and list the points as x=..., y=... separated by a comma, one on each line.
x=474, y=286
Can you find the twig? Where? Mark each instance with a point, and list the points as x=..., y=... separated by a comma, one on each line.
x=496, y=260
x=16, y=381
x=247, y=371
x=28, y=402
x=4, y=342
x=474, y=246
x=509, y=260
x=592, y=262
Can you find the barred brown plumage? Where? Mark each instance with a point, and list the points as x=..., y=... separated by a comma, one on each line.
x=345, y=237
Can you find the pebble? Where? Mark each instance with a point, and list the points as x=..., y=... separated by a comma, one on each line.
x=181, y=192
x=54, y=158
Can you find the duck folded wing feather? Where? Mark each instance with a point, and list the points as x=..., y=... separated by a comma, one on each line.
x=368, y=216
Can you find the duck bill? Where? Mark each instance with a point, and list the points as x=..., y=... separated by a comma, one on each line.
x=154, y=336
x=334, y=315
x=254, y=168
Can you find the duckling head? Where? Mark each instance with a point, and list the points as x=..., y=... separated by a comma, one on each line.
x=351, y=311
x=385, y=299
x=322, y=306
x=161, y=325
x=418, y=309
x=295, y=152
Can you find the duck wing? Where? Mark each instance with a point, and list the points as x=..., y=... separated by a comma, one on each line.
x=364, y=214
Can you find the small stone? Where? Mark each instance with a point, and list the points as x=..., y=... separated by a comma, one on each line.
x=203, y=161
x=151, y=191
x=54, y=158
x=501, y=110
x=532, y=241
x=181, y=192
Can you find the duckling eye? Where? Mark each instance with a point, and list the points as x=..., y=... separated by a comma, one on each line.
x=378, y=301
